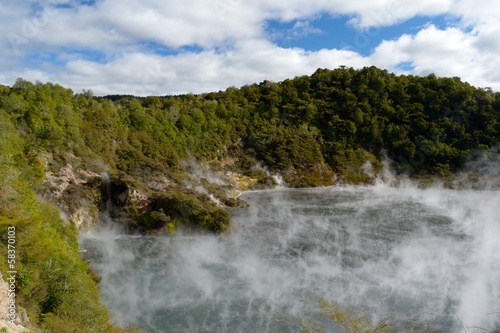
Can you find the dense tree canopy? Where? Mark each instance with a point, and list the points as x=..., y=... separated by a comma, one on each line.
x=424, y=124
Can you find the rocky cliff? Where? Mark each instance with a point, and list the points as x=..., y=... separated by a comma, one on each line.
x=21, y=323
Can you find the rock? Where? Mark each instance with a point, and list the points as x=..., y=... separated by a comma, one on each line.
x=138, y=200
x=58, y=182
x=84, y=216
x=76, y=192
x=159, y=183
x=21, y=323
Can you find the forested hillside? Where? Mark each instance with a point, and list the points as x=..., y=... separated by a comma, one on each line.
x=335, y=125
x=339, y=117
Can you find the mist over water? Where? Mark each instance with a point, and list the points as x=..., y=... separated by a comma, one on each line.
x=430, y=256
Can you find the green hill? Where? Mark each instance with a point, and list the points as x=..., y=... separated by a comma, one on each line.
x=177, y=161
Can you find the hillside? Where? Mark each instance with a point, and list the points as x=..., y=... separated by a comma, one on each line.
x=158, y=164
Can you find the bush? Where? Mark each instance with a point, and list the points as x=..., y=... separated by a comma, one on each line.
x=348, y=320
x=192, y=211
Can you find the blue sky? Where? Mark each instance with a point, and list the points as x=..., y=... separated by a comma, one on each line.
x=154, y=47
x=336, y=32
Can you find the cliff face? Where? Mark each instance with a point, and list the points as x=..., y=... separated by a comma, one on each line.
x=152, y=203
x=76, y=193
x=21, y=323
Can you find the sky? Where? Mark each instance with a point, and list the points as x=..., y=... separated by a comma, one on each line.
x=155, y=47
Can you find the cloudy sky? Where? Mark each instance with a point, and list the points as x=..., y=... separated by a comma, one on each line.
x=155, y=47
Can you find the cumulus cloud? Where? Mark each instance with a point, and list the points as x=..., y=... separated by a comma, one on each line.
x=365, y=13
x=167, y=47
x=448, y=52
x=251, y=61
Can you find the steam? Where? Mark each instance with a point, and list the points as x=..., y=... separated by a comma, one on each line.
x=481, y=292
x=482, y=171
x=472, y=258
x=199, y=175
x=278, y=178
x=215, y=200
x=196, y=171
x=429, y=255
x=279, y=181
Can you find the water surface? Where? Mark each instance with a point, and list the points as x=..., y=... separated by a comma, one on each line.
x=425, y=256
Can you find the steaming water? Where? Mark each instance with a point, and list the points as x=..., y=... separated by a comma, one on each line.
x=426, y=256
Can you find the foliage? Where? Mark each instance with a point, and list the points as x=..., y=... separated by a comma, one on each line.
x=53, y=283
x=351, y=322
x=189, y=210
x=337, y=117
x=348, y=320
x=334, y=124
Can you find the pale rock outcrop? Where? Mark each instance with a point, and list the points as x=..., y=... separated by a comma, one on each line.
x=21, y=323
x=67, y=175
x=78, y=210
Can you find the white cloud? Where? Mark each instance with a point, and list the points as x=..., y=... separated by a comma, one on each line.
x=252, y=61
x=366, y=12
x=235, y=47
x=448, y=52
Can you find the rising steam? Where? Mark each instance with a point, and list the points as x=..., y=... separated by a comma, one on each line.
x=428, y=255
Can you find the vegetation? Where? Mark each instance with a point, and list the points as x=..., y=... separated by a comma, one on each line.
x=53, y=283
x=349, y=321
x=330, y=122
x=312, y=130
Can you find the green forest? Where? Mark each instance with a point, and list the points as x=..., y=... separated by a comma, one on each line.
x=334, y=126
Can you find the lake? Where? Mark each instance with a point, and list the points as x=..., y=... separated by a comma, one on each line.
x=429, y=258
